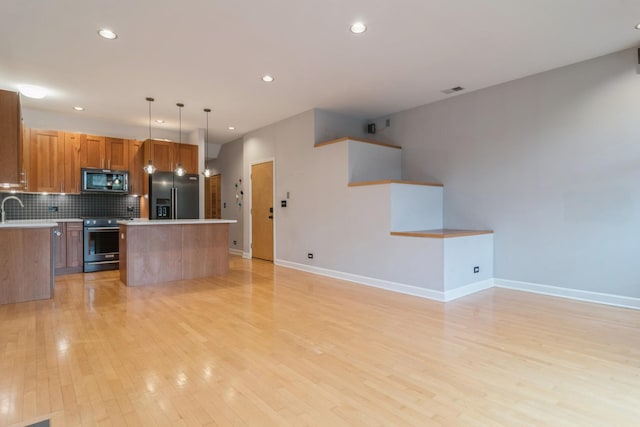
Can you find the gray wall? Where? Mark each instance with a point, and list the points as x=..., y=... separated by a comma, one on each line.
x=551, y=162
x=346, y=228
x=229, y=165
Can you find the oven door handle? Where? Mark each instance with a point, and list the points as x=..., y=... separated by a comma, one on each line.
x=102, y=228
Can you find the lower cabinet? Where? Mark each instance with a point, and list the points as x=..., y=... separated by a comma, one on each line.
x=67, y=247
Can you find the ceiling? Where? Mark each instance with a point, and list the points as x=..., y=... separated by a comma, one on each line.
x=212, y=53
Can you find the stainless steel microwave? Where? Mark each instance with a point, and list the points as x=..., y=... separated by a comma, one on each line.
x=105, y=181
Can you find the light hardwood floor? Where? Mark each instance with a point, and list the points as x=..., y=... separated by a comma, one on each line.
x=270, y=346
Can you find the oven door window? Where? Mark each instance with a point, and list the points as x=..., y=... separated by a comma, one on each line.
x=102, y=240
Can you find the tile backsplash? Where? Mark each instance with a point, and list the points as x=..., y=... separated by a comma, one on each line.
x=58, y=206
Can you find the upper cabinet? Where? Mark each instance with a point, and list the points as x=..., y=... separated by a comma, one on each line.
x=92, y=152
x=72, y=147
x=187, y=154
x=117, y=153
x=104, y=153
x=46, y=161
x=53, y=159
x=10, y=139
x=136, y=163
x=161, y=153
x=166, y=155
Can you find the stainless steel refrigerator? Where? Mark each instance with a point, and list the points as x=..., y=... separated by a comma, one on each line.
x=174, y=197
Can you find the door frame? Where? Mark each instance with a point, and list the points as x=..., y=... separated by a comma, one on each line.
x=250, y=196
x=207, y=183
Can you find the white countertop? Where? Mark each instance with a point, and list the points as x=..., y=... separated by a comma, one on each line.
x=176, y=221
x=29, y=223
x=36, y=223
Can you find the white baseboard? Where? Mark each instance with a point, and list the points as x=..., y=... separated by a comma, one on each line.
x=363, y=280
x=469, y=289
x=588, y=296
x=391, y=286
x=246, y=255
x=235, y=252
x=576, y=294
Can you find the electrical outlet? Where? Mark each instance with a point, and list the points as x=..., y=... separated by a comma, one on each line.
x=388, y=123
x=310, y=255
x=476, y=269
x=235, y=242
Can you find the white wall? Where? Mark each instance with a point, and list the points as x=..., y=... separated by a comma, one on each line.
x=329, y=125
x=416, y=207
x=550, y=162
x=80, y=123
x=368, y=162
x=347, y=229
x=229, y=165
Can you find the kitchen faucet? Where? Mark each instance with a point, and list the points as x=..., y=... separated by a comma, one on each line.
x=2, y=212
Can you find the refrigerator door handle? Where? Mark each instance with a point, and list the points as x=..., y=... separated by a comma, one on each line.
x=175, y=203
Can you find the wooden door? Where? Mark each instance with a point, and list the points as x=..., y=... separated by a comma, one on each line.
x=74, y=249
x=212, y=208
x=46, y=161
x=262, y=211
x=187, y=154
x=72, y=178
x=136, y=163
x=161, y=153
x=92, y=152
x=116, y=153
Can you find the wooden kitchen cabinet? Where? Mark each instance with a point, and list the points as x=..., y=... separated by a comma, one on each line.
x=136, y=163
x=60, y=247
x=92, y=152
x=161, y=153
x=46, y=161
x=117, y=153
x=102, y=152
x=187, y=154
x=72, y=147
x=27, y=267
x=10, y=139
x=67, y=248
x=166, y=155
x=74, y=247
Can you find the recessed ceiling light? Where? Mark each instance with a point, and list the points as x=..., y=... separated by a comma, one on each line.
x=78, y=108
x=267, y=78
x=107, y=34
x=638, y=27
x=32, y=91
x=159, y=121
x=358, y=28
x=231, y=128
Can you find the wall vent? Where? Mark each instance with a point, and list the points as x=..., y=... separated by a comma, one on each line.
x=453, y=90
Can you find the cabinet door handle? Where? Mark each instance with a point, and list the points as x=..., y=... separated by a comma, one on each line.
x=57, y=233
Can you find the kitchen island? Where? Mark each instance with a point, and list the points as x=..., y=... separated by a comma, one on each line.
x=26, y=261
x=155, y=251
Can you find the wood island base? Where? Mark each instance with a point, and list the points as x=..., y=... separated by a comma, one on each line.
x=169, y=250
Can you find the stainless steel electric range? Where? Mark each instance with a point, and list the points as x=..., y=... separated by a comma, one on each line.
x=101, y=244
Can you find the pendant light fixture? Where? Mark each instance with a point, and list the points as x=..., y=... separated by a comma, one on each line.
x=207, y=171
x=180, y=171
x=149, y=168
